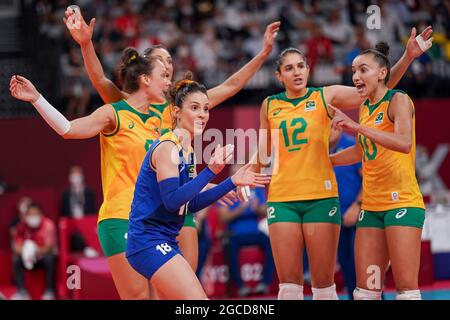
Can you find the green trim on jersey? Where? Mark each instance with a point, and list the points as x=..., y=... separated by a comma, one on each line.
x=160, y=106
x=117, y=125
x=123, y=105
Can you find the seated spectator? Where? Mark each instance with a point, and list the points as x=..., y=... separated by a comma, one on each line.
x=35, y=246
x=22, y=208
x=242, y=226
x=78, y=201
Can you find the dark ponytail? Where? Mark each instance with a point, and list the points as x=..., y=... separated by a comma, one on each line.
x=380, y=53
x=132, y=67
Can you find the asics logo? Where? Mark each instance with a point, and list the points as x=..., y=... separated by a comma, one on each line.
x=400, y=214
x=125, y=235
x=332, y=211
x=361, y=215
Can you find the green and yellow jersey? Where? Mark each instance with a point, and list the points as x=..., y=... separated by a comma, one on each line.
x=389, y=179
x=301, y=169
x=122, y=153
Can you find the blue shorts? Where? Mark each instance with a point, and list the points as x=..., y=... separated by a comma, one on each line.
x=149, y=260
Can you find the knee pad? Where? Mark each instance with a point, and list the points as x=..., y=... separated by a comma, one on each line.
x=328, y=293
x=409, y=295
x=363, y=294
x=290, y=291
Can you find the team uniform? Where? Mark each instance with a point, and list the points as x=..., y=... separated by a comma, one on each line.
x=303, y=187
x=391, y=195
x=121, y=153
x=167, y=122
x=153, y=229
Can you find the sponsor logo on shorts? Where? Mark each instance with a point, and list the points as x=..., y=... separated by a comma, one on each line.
x=401, y=213
x=125, y=235
x=332, y=211
x=270, y=213
x=361, y=215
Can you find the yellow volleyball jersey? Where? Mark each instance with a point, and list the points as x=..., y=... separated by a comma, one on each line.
x=122, y=153
x=165, y=111
x=301, y=166
x=389, y=180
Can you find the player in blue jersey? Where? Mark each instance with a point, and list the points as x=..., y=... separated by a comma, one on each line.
x=167, y=186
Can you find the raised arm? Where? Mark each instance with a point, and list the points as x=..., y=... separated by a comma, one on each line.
x=400, y=111
x=82, y=34
x=346, y=97
x=238, y=80
x=102, y=119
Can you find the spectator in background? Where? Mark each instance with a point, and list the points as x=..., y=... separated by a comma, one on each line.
x=76, y=86
x=319, y=48
x=78, y=201
x=336, y=29
x=242, y=225
x=35, y=246
x=22, y=207
x=349, y=181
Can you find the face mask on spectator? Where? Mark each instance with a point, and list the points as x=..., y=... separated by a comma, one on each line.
x=33, y=221
x=76, y=179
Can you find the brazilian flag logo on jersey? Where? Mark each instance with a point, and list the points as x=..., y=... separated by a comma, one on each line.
x=191, y=171
x=310, y=105
x=379, y=118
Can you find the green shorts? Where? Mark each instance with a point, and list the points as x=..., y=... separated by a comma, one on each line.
x=189, y=220
x=407, y=217
x=112, y=234
x=307, y=211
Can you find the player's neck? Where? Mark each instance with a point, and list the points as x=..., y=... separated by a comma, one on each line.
x=296, y=94
x=140, y=101
x=184, y=137
x=378, y=94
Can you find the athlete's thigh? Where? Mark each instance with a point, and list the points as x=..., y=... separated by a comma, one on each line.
x=188, y=244
x=371, y=257
x=129, y=283
x=404, y=252
x=177, y=281
x=321, y=240
x=286, y=240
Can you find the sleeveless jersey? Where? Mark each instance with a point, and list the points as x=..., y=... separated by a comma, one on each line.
x=165, y=112
x=121, y=157
x=389, y=180
x=149, y=219
x=301, y=169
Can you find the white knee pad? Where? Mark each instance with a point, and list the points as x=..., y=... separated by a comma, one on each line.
x=328, y=293
x=409, y=295
x=290, y=291
x=363, y=294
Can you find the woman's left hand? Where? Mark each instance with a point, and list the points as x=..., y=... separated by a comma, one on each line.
x=342, y=121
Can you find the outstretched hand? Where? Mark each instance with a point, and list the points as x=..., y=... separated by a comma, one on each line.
x=269, y=37
x=21, y=88
x=342, y=121
x=414, y=49
x=246, y=177
x=78, y=28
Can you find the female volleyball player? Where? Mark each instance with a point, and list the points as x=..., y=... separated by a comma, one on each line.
x=82, y=34
x=303, y=208
x=126, y=129
x=390, y=223
x=166, y=188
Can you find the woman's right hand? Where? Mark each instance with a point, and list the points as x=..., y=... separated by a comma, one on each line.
x=246, y=177
x=21, y=88
x=221, y=156
x=79, y=30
